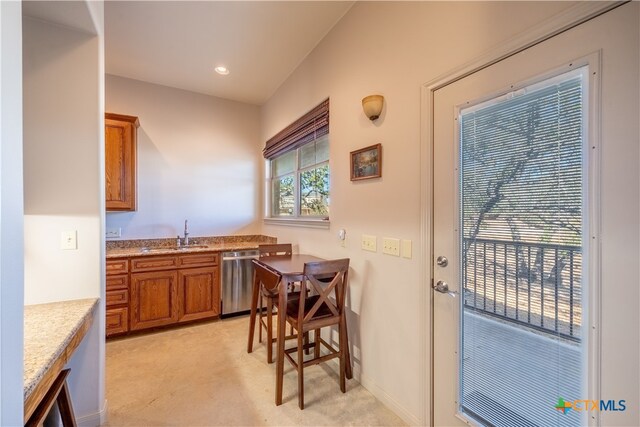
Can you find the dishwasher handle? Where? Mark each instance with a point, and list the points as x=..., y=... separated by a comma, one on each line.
x=231, y=258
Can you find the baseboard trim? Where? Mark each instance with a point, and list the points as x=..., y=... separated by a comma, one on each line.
x=93, y=420
x=379, y=394
x=386, y=400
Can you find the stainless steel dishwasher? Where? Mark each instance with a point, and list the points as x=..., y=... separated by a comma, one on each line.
x=237, y=281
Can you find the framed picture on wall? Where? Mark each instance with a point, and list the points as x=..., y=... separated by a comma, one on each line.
x=366, y=163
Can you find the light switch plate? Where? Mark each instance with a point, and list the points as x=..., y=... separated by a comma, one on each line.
x=391, y=246
x=369, y=243
x=406, y=248
x=69, y=240
x=342, y=235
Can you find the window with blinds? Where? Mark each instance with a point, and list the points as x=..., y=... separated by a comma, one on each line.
x=298, y=164
x=521, y=213
x=300, y=181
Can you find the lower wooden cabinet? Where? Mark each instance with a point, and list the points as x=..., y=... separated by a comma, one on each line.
x=151, y=291
x=117, y=298
x=117, y=320
x=198, y=293
x=154, y=299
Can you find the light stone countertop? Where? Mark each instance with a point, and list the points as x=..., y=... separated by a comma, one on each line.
x=48, y=331
x=211, y=247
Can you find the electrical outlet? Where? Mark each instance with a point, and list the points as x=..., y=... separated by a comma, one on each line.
x=355, y=355
x=391, y=246
x=69, y=240
x=113, y=233
x=406, y=248
x=369, y=243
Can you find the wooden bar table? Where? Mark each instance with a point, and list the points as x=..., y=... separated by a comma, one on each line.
x=291, y=269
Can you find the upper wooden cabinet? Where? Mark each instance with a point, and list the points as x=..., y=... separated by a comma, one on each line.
x=120, y=140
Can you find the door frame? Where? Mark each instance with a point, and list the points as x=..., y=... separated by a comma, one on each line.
x=574, y=16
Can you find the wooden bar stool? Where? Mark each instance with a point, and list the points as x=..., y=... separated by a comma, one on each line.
x=271, y=250
x=268, y=282
x=325, y=308
x=275, y=249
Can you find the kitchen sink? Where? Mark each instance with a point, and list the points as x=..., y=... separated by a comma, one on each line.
x=182, y=248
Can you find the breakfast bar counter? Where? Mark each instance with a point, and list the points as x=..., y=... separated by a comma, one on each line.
x=52, y=332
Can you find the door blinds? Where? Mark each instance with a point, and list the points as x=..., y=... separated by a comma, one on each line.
x=521, y=186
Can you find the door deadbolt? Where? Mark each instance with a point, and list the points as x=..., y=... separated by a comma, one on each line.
x=442, y=261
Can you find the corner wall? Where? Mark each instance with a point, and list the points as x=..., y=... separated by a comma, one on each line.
x=61, y=162
x=390, y=48
x=11, y=221
x=63, y=174
x=197, y=160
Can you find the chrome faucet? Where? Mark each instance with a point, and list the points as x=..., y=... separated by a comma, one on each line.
x=185, y=241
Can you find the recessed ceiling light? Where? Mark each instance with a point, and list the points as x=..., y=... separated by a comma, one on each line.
x=222, y=70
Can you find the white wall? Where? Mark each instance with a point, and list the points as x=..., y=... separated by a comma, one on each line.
x=61, y=162
x=63, y=181
x=11, y=222
x=390, y=48
x=618, y=209
x=197, y=160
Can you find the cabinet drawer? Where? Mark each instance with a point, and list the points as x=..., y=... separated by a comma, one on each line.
x=117, y=297
x=117, y=266
x=117, y=282
x=117, y=320
x=198, y=260
x=154, y=263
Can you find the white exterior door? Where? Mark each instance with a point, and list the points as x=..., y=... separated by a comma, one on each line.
x=536, y=196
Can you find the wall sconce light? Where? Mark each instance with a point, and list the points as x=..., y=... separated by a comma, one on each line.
x=372, y=106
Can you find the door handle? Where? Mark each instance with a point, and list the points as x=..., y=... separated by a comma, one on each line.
x=233, y=258
x=442, y=287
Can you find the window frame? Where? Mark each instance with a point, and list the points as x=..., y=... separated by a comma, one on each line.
x=296, y=219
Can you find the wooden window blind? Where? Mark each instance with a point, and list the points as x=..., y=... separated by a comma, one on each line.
x=310, y=126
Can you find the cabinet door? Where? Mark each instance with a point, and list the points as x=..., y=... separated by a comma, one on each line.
x=120, y=162
x=154, y=299
x=199, y=293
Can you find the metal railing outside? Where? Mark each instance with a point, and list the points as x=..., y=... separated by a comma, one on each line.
x=537, y=285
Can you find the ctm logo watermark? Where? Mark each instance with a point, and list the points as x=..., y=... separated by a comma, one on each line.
x=590, y=405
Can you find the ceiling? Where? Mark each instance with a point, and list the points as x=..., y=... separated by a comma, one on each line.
x=72, y=14
x=179, y=44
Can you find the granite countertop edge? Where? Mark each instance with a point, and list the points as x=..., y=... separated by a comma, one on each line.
x=235, y=245
x=38, y=356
